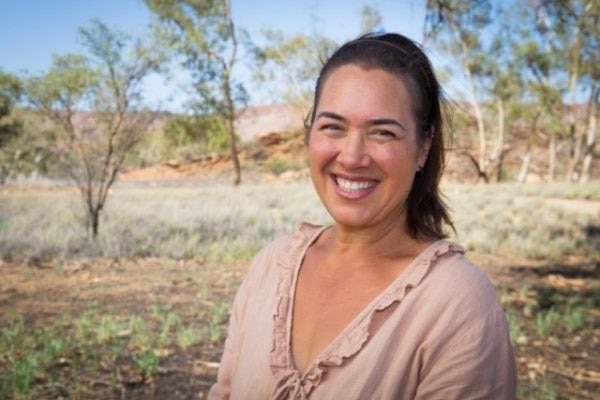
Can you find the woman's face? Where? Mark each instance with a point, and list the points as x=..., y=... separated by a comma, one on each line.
x=363, y=147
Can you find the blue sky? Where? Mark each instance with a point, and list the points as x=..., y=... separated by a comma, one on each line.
x=32, y=31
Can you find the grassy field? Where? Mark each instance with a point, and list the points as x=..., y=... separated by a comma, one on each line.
x=142, y=312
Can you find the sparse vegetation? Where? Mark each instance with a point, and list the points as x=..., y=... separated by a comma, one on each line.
x=277, y=166
x=120, y=335
x=94, y=351
x=220, y=223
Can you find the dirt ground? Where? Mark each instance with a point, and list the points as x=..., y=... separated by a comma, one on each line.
x=44, y=292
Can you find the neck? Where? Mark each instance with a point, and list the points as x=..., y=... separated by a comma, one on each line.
x=385, y=241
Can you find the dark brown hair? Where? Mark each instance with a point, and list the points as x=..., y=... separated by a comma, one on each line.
x=426, y=212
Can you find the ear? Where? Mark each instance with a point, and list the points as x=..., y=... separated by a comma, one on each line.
x=424, y=151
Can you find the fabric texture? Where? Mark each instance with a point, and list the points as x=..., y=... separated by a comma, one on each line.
x=436, y=332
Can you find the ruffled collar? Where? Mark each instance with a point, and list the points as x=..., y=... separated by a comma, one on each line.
x=289, y=382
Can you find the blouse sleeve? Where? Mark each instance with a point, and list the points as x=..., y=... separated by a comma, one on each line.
x=477, y=363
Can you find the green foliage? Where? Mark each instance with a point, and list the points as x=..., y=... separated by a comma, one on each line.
x=188, y=337
x=216, y=128
x=515, y=326
x=277, y=166
x=202, y=32
x=11, y=127
x=539, y=389
x=546, y=322
x=94, y=144
x=83, y=344
x=291, y=61
x=147, y=363
x=575, y=318
x=183, y=131
x=10, y=91
x=371, y=20
x=196, y=135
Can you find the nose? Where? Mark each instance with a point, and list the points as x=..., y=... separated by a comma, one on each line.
x=353, y=151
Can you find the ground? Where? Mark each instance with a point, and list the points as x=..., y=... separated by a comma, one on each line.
x=42, y=292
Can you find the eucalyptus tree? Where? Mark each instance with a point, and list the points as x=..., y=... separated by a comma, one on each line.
x=204, y=34
x=568, y=34
x=546, y=99
x=456, y=26
x=10, y=91
x=10, y=128
x=288, y=65
x=370, y=19
x=503, y=82
x=95, y=101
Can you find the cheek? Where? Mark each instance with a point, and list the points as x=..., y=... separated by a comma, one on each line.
x=321, y=150
x=395, y=160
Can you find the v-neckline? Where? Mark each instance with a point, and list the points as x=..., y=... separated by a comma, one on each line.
x=355, y=322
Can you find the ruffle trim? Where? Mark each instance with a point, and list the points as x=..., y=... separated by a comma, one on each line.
x=289, y=383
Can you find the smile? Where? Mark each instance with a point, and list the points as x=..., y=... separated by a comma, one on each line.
x=354, y=188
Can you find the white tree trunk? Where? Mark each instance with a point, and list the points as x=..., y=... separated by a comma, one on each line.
x=552, y=158
x=591, y=136
x=525, y=166
x=497, y=155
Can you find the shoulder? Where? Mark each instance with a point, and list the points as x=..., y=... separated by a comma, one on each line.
x=453, y=286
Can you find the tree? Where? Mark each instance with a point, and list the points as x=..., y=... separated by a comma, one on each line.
x=457, y=26
x=204, y=34
x=371, y=20
x=10, y=91
x=96, y=104
x=503, y=83
x=185, y=134
x=570, y=30
x=10, y=129
x=291, y=64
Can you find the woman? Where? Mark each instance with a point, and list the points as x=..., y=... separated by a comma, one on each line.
x=379, y=305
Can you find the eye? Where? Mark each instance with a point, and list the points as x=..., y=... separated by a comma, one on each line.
x=331, y=129
x=384, y=134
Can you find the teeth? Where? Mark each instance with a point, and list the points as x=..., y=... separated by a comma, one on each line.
x=353, y=186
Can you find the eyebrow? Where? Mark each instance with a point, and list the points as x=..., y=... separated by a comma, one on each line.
x=376, y=121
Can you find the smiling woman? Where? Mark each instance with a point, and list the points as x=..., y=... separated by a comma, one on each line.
x=364, y=147
x=380, y=305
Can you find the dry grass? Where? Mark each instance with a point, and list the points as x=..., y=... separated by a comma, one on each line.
x=224, y=223
x=78, y=322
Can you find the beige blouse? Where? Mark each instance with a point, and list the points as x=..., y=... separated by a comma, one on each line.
x=436, y=332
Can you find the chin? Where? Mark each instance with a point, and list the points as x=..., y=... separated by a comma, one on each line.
x=354, y=220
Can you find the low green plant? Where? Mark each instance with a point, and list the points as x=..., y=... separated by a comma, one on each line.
x=515, y=326
x=575, y=318
x=141, y=336
x=84, y=326
x=546, y=322
x=169, y=323
x=107, y=330
x=189, y=336
x=147, y=363
x=23, y=372
x=55, y=347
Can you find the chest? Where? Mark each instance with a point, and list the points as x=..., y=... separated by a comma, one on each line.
x=325, y=305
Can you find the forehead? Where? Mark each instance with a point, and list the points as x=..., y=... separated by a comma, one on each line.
x=354, y=90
